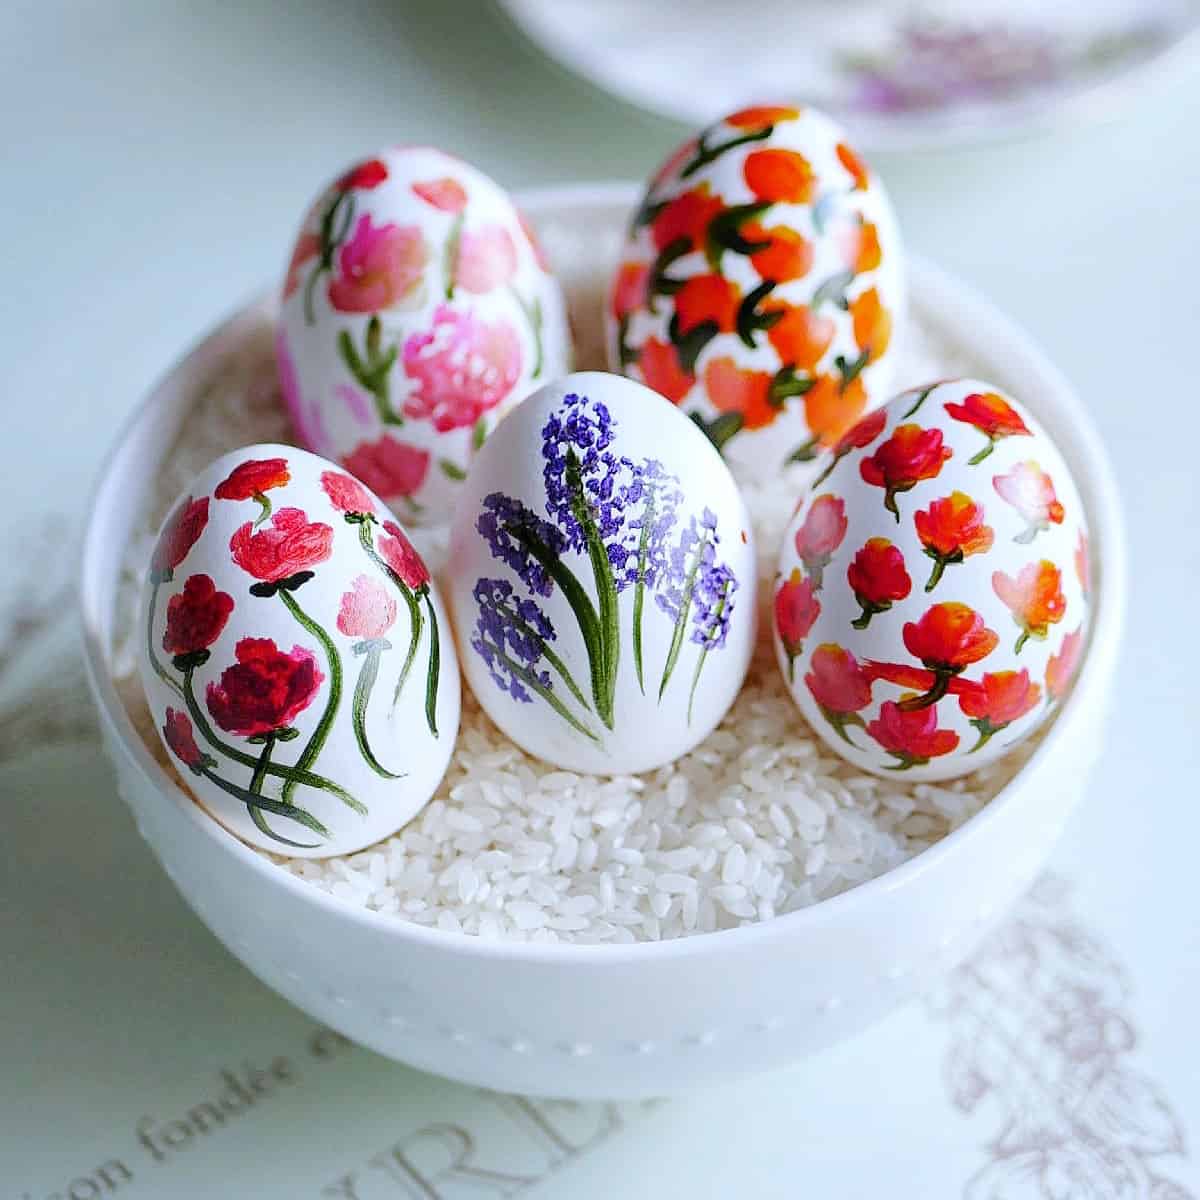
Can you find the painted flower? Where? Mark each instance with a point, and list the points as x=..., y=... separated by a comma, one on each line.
x=307, y=247
x=877, y=577
x=832, y=406
x=253, y=477
x=951, y=529
x=366, y=175
x=367, y=611
x=996, y=701
x=181, y=532
x=800, y=337
x=1034, y=598
x=306, y=419
x=487, y=259
x=177, y=733
x=837, y=681
x=629, y=291
x=463, y=367
x=195, y=616
x=1083, y=568
x=535, y=242
x=388, y=466
x=265, y=690
x=1031, y=492
x=445, y=193
x=288, y=545
x=872, y=324
x=401, y=555
x=858, y=242
x=706, y=299
x=949, y=637
x=685, y=218
x=855, y=166
x=346, y=494
x=993, y=416
x=378, y=266
x=1061, y=667
x=761, y=115
x=910, y=455
x=821, y=534
x=862, y=434
x=787, y=255
x=911, y=736
x=779, y=176
x=661, y=371
x=732, y=389
x=796, y=609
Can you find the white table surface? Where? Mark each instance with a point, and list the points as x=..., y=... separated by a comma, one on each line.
x=156, y=157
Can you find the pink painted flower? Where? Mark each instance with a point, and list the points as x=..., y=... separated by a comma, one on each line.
x=487, y=259
x=291, y=543
x=463, y=367
x=1031, y=492
x=379, y=266
x=355, y=401
x=367, y=611
x=307, y=247
x=306, y=418
x=401, y=555
x=346, y=494
x=389, y=467
x=821, y=534
x=447, y=194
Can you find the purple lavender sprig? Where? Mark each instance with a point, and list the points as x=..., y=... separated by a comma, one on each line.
x=713, y=603
x=518, y=537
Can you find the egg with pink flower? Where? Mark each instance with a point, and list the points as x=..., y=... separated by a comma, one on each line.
x=417, y=309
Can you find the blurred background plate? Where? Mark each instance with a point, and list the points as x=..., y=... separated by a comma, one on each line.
x=899, y=75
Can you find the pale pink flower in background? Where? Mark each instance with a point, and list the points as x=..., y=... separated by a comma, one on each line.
x=306, y=418
x=463, y=367
x=355, y=401
x=487, y=259
x=389, y=467
x=379, y=265
x=447, y=194
x=367, y=611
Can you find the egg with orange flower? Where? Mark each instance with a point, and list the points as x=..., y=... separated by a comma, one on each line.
x=932, y=601
x=417, y=308
x=760, y=287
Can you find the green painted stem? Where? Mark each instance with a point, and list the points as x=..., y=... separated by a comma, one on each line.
x=159, y=669
x=706, y=154
x=535, y=685
x=1021, y=641
x=264, y=506
x=639, y=589
x=941, y=685
x=704, y=655
x=532, y=312
x=256, y=803
x=685, y=610
x=415, y=622
x=555, y=662
x=935, y=576
x=434, y=671
x=976, y=459
x=362, y=697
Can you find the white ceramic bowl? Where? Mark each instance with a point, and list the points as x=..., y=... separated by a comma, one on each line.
x=609, y=1020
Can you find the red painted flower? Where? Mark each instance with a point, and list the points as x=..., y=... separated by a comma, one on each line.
x=367, y=611
x=629, y=290
x=686, y=218
x=761, y=115
x=707, y=299
x=265, y=690
x=399, y=553
x=252, y=478
x=346, y=494
x=787, y=255
x=839, y=685
x=1061, y=667
x=181, y=532
x=779, y=176
x=388, y=467
x=949, y=637
x=366, y=175
x=732, y=389
x=861, y=435
x=855, y=166
x=379, y=266
x=796, y=608
x=288, y=545
x=1083, y=568
x=996, y=701
x=177, y=732
x=195, y=616
x=1034, y=598
x=992, y=415
x=446, y=194
x=911, y=736
x=910, y=455
x=951, y=529
x=821, y=534
x=1031, y=492
x=877, y=577
x=661, y=371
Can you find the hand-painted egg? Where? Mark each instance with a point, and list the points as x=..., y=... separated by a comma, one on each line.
x=417, y=309
x=601, y=578
x=932, y=601
x=759, y=286
x=296, y=656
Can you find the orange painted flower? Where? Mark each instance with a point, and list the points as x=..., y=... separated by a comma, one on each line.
x=821, y=534
x=952, y=529
x=779, y=176
x=996, y=701
x=800, y=337
x=993, y=416
x=760, y=115
x=1083, y=567
x=787, y=256
x=911, y=735
x=686, y=218
x=661, y=370
x=859, y=246
x=949, y=637
x=877, y=577
x=839, y=685
x=910, y=455
x=872, y=324
x=855, y=165
x=732, y=389
x=796, y=609
x=629, y=289
x=831, y=407
x=1031, y=492
x=1034, y=598
x=1061, y=667
x=707, y=298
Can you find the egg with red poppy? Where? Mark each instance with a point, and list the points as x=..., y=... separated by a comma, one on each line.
x=296, y=656
x=761, y=285
x=417, y=308
x=932, y=600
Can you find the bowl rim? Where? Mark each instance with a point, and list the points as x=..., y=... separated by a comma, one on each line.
x=936, y=290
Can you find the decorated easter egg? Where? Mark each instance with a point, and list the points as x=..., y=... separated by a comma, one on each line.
x=601, y=578
x=932, y=601
x=417, y=309
x=296, y=656
x=760, y=284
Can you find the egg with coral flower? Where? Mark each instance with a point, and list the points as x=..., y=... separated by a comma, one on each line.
x=933, y=594
x=417, y=309
x=761, y=285
x=295, y=655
